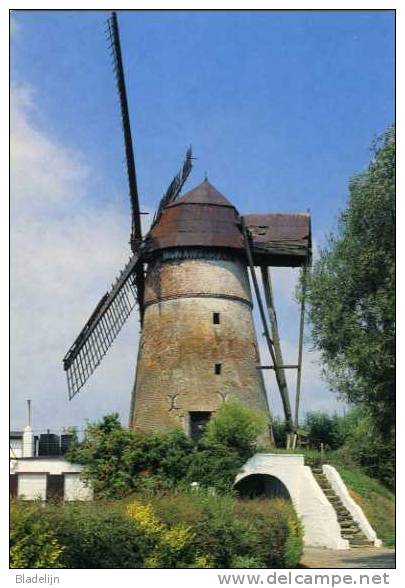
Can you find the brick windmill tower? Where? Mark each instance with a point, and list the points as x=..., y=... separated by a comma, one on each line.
x=189, y=279
x=198, y=345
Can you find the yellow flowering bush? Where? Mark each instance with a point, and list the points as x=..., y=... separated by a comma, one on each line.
x=144, y=516
x=170, y=542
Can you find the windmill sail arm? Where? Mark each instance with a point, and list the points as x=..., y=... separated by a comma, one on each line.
x=101, y=329
x=136, y=234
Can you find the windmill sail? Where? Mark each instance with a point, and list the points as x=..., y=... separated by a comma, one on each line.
x=175, y=186
x=101, y=329
x=116, y=305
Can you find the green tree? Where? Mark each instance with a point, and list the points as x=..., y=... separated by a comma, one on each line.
x=351, y=292
x=324, y=428
x=365, y=446
x=118, y=461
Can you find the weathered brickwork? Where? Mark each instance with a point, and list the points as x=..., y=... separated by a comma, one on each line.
x=180, y=344
x=197, y=276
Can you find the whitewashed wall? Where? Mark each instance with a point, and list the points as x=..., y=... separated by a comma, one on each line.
x=32, y=476
x=32, y=486
x=75, y=489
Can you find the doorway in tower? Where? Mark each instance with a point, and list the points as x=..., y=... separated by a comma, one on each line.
x=197, y=423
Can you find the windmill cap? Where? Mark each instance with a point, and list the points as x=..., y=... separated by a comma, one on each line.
x=201, y=218
x=204, y=193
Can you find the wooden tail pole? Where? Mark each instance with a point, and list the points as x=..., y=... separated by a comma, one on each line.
x=268, y=295
x=300, y=345
x=284, y=398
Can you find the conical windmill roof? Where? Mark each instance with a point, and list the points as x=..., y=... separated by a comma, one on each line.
x=202, y=217
x=204, y=193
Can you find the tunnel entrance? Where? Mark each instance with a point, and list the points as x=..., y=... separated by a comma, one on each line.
x=262, y=485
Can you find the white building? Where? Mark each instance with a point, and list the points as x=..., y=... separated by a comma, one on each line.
x=38, y=470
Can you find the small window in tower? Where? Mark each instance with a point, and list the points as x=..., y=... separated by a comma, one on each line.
x=215, y=318
x=218, y=367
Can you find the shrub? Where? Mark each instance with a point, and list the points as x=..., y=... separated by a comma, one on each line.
x=244, y=562
x=237, y=427
x=98, y=536
x=173, y=530
x=118, y=461
x=231, y=533
x=366, y=447
x=279, y=432
x=33, y=542
x=170, y=545
x=215, y=466
x=220, y=533
x=277, y=531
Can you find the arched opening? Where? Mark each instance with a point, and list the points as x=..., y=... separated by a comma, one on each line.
x=262, y=485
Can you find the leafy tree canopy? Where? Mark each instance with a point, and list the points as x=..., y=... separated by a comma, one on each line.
x=351, y=291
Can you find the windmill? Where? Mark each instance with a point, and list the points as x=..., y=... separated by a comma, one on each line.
x=188, y=278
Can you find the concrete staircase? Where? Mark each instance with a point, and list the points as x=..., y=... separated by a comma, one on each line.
x=349, y=528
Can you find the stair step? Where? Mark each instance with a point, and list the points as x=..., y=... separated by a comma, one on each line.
x=353, y=530
x=351, y=535
x=349, y=525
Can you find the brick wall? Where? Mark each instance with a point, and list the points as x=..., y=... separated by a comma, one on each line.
x=180, y=343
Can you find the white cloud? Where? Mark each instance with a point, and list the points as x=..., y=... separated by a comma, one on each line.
x=64, y=255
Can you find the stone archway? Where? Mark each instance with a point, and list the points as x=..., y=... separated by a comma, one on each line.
x=255, y=485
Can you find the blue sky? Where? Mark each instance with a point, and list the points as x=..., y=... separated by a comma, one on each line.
x=281, y=108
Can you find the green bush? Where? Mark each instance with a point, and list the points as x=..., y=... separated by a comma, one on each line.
x=228, y=441
x=229, y=533
x=237, y=427
x=279, y=432
x=118, y=461
x=33, y=542
x=174, y=530
x=366, y=447
x=277, y=531
x=97, y=536
x=217, y=534
x=215, y=466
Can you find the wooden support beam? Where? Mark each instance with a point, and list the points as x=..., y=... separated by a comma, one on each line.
x=300, y=345
x=285, y=400
x=278, y=367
